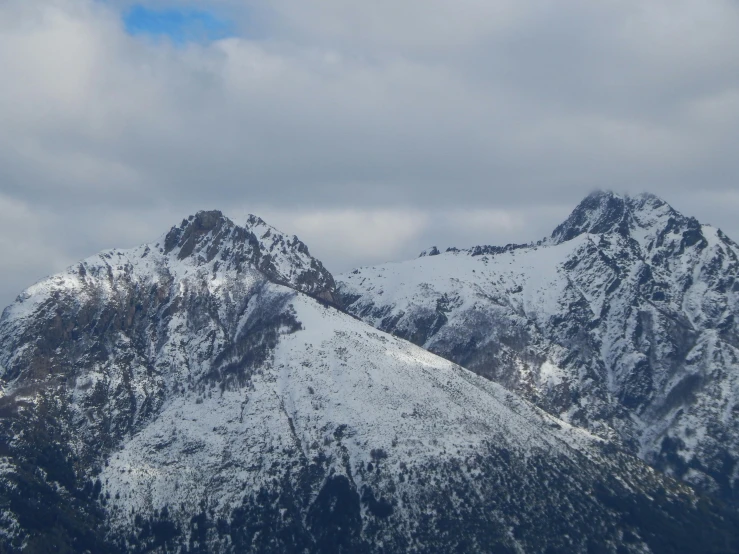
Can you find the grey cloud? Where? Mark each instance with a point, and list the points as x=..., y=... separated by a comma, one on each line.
x=326, y=109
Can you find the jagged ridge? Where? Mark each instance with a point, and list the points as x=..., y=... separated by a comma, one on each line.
x=282, y=259
x=623, y=321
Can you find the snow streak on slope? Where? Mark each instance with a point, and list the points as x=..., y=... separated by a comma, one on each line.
x=624, y=321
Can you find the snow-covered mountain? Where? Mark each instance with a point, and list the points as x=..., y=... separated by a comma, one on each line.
x=624, y=321
x=203, y=394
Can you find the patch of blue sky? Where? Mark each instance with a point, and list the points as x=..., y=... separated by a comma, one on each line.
x=179, y=25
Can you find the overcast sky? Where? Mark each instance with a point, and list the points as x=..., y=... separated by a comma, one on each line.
x=371, y=130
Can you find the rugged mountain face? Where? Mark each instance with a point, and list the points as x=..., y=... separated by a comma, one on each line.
x=209, y=236
x=190, y=396
x=624, y=321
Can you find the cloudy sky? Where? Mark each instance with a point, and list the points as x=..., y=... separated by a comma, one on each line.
x=370, y=129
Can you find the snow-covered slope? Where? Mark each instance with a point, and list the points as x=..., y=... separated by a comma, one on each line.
x=186, y=397
x=624, y=321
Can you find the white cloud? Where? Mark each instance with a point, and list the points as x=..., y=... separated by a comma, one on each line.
x=344, y=238
x=25, y=253
x=415, y=25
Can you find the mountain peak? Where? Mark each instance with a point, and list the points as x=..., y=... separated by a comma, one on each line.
x=599, y=212
x=193, y=231
x=210, y=236
x=607, y=212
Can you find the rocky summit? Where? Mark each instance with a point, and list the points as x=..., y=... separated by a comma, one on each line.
x=204, y=393
x=624, y=321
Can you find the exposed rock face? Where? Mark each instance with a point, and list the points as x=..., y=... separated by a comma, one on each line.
x=282, y=259
x=624, y=321
x=189, y=396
